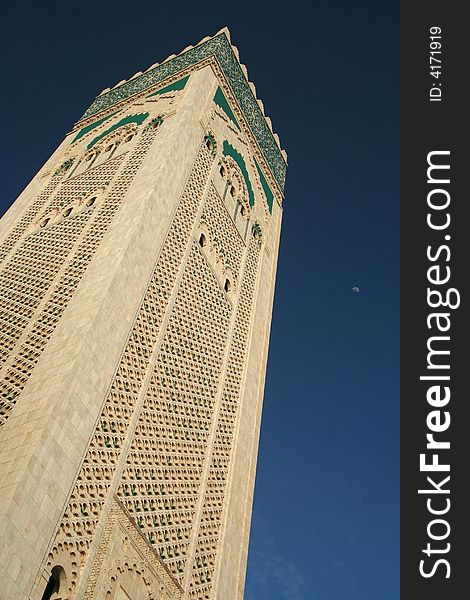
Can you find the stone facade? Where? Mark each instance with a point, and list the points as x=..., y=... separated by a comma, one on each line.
x=137, y=277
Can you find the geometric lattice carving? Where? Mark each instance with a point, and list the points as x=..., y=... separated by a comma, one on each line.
x=223, y=235
x=211, y=517
x=94, y=482
x=30, y=214
x=173, y=429
x=126, y=561
x=35, y=267
x=179, y=448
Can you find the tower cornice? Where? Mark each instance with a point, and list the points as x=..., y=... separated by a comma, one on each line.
x=226, y=55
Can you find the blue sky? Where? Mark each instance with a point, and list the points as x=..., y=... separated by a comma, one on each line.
x=325, y=521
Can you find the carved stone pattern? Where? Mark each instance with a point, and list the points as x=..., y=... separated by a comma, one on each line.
x=120, y=522
x=223, y=234
x=161, y=484
x=220, y=47
x=77, y=529
x=29, y=216
x=28, y=276
x=162, y=481
x=212, y=512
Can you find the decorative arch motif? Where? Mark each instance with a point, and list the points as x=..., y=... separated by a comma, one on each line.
x=211, y=142
x=154, y=123
x=115, y=137
x=131, y=576
x=256, y=230
x=58, y=214
x=215, y=257
x=104, y=146
x=64, y=167
x=56, y=584
x=66, y=568
x=237, y=185
x=229, y=150
x=126, y=562
x=138, y=119
x=84, y=130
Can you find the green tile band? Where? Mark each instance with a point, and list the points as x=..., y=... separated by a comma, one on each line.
x=139, y=119
x=220, y=47
x=90, y=127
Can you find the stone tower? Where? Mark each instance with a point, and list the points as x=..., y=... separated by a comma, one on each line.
x=137, y=275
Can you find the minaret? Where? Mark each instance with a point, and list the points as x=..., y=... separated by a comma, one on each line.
x=137, y=276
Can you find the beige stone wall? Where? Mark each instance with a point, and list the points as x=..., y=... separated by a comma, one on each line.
x=147, y=386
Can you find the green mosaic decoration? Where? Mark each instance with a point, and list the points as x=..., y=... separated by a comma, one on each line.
x=173, y=87
x=65, y=166
x=256, y=229
x=221, y=101
x=139, y=119
x=267, y=190
x=220, y=47
x=90, y=127
x=210, y=138
x=229, y=150
x=156, y=121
